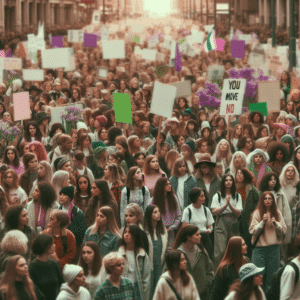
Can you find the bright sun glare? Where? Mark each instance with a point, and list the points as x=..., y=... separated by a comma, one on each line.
x=158, y=7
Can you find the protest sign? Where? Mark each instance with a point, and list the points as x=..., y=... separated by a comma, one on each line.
x=184, y=88
x=11, y=63
x=163, y=99
x=72, y=65
x=21, y=106
x=33, y=75
x=1, y=74
x=122, y=107
x=113, y=49
x=215, y=72
x=149, y=54
x=56, y=58
x=246, y=37
x=103, y=72
x=257, y=55
x=232, y=96
x=75, y=36
x=261, y=106
x=276, y=67
x=269, y=91
x=56, y=111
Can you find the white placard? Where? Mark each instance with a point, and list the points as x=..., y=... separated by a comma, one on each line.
x=149, y=54
x=72, y=65
x=163, y=99
x=33, y=75
x=209, y=28
x=113, y=49
x=246, y=37
x=56, y=111
x=184, y=88
x=56, y=58
x=1, y=74
x=215, y=72
x=75, y=36
x=11, y=63
x=195, y=37
x=103, y=72
x=232, y=96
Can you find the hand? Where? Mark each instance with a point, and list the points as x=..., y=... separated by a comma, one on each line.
x=273, y=220
x=168, y=229
x=227, y=200
x=16, y=200
x=265, y=218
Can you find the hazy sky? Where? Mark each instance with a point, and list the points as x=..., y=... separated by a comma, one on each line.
x=158, y=7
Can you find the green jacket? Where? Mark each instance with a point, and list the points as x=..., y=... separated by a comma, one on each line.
x=214, y=187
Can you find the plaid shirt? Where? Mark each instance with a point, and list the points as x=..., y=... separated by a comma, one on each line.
x=107, y=291
x=295, y=219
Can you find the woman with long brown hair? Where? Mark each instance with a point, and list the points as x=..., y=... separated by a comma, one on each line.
x=170, y=159
x=85, y=144
x=228, y=269
x=11, y=158
x=16, y=283
x=267, y=227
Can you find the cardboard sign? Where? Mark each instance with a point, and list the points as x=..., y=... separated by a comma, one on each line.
x=184, y=88
x=11, y=63
x=232, y=96
x=56, y=58
x=149, y=54
x=122, y=107
x=33, y=75
x=276, y=67
x=246, y=37
x=261, y=106
x=75, y=36
x=269, y=91
x=113, y=49
x=21, y=106
x=103, y=72
x=215, y=72
x=72, y=65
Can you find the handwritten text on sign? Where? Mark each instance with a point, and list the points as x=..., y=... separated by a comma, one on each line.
x=232, y=96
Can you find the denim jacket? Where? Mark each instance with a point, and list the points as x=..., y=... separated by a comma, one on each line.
x=107, y=244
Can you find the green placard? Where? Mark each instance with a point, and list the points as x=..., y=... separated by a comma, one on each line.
x=261, y=106
x=122, y=107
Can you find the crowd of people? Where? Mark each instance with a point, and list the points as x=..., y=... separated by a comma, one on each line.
x=197, y=206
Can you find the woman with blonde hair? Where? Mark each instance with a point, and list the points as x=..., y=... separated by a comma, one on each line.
x=104, y=232
x=238, y=160
x=16, y=283
x=223, y=154
x=60, y=179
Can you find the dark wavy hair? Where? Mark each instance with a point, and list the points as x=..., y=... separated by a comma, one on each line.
x=261, y=116
x=223, y=189
x=274, y=147
x=248, y=176
x=16, y=161
x=56, y=126
x=260, y=129
x=242, y=142
x=12, y=216
x=112, y=133
x=78, y=191
x=41, y=244
x=148, y=222
x=38, y=135
x=48, y=194
x=264, y=184
x=250, y=130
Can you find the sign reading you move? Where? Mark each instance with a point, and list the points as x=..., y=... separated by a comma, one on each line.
x=232, y=96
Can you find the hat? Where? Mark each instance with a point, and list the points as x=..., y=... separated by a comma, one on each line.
x=287, y=139
x=34, y=88
x=99, y=151
x=292, y=117
x=296, y=149
x=191, y=144
x=56, y=82
x=147, y=87
x=41, y=116
x=105, y=91
x=168, y=121
x=194, y=194
x=204, y=125
x=282, y=113
x=102, y=120
x=295, y=131
x=280, y=125
x=70, y=272
x=76, y=74
x=249, y=270
x=68, y=190
x=205, y=158
x=81, y=125
x=60, y=161
x=187, y=111
x=96, y=144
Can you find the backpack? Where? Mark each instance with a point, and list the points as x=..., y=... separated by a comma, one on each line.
x=64, y=238
x=273, y=292
x=128, y=193
x=190, y=213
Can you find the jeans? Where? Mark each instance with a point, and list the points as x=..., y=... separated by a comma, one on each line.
x=269, y=258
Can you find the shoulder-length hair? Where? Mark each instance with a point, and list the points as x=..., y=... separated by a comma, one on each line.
x=250, y=130
x=158, y=194
x=9, y=278
x=172, y=263
x=132, y=148
x=223, y=188
x=135, y=210
x=244, y=158
x=260, y=129
x=233, y=255
x=114, y=173
x=176, y=166
x=171, y=157
x=38, y=135
x=160, y=230
x=97, y=261
x=196, y=127
x=146, y=168
x=79, y=94
x=15, y=181
x=82, y=137
x=130, y=180
x=261, y=208
x=183, y=235
x=16, y=161
x=233, y=134
x=264, y=183
x=121, y=140
x=111, y=221
x=244, y=290
x=12, y=217
x=58, y=179
x=49, y=173
x=242, y=142
x=248, y=176
x=78, y=190
x=40, y=151
x=15, y=241
x=47, y=194
x=191, y=156
x=27, y=158
x=282, y=177
x=4, y=205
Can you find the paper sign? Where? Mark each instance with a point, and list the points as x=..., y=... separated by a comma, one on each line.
x=163, y=99
x=276, y=67
x=56, y=58
x=113, y=49
x=56, y=111
x=75, y=36
x=247, y=38
x=11, y=63
x=184, y=88
x=72, y=65
x=209, y=28
x=160, y=71
x=220, y=44
x=232, y=96
x=1, y=74
x=261, y=106
x=33, y=75
x=215, y=72
x=122, y=107
x=103, y=72
x=149, y=54
x=269, y=91
x=237, y=48
x=21, y=106
x=57, y=41
x=90, y=40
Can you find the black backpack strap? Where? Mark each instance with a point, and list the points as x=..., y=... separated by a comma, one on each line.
x=173, y=289
x=296, y=271
x=219, y=197
x=65, y=243
x=163, y=175
x=128, y=194
x=190, y=214
x=144, y=192
x=205, y=211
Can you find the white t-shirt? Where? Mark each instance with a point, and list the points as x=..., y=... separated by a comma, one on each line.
x=20, y=193
x=94, y=283
x=180, y=189
x=237, y=204
x=198, y=217
x=131, y=265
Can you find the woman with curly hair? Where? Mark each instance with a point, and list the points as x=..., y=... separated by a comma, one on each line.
x=257, y=120
x=257, y=164
x=280, y=130
x=33, y=133
x=268, y=228
x=16, y=282
x=278, y=156
x=11, y=158
x=39, y=150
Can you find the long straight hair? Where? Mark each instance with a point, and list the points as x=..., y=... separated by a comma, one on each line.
x=97, y=261
x=114, y=173
x=244, y=290
x=233, y=255
x=9, y=277
x=223, y=188
x=49, y=173
x=147, y=162
x=16, y=161
x=160, y=230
